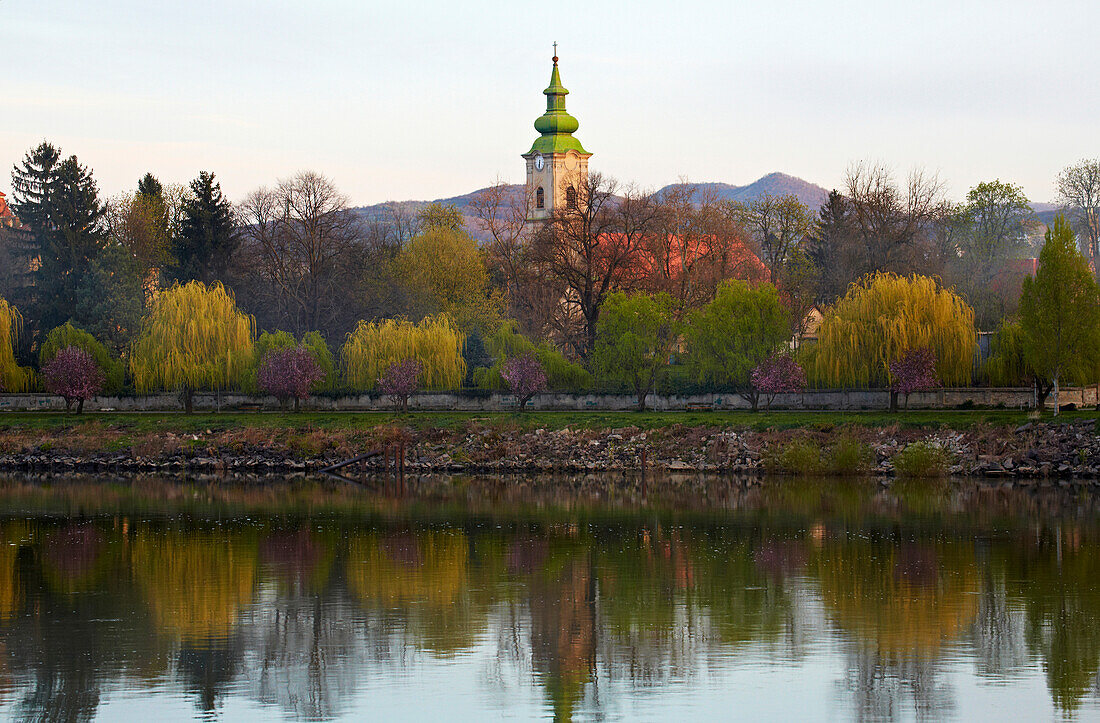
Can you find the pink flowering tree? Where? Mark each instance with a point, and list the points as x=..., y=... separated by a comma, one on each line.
x=289, y=374
x=400, y=380
x=524, y=376
x=74, y=376
x=913, y=371
x=778, y=374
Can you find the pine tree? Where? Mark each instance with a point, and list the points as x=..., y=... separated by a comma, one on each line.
x=33, y=182
x=59, y=201
x=208, y=234
x=829, y=247
x=150, y=186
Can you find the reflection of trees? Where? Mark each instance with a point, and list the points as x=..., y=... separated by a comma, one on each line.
x=422, y=577
x=1057, y=582
x=196, y=582
x=74, y=559
x=9, y=590
x=900, y=599
x=303, y=652
x=299, y=559
x=881, y=685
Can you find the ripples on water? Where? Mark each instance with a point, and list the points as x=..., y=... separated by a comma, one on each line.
x=458, y=599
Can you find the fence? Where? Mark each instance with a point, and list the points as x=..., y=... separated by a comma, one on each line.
x=822, y=399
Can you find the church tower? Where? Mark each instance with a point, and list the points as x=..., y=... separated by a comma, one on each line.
x=557, y=164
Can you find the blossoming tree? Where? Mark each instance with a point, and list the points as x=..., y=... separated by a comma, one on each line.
x=73, y=375
x=913, y=371
x=289, y=374
x=525, y=377
x=778, y=374
x=400, y=380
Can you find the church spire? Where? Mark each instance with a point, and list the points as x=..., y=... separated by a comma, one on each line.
x=556, y=126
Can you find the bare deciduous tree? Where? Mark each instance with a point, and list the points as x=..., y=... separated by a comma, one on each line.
x=300, y=235
x=1079, y=189
x=778, y=224
x=892, y=226
x=592, y=246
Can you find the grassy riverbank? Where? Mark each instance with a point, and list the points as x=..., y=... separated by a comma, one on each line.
x=153, y=422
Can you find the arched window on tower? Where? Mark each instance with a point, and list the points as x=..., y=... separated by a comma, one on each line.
x=571, y=197
x=540, y=198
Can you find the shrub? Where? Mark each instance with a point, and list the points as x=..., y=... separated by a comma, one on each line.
x=849, y=456
x=922, y=459
x=400, y=380
x=799, y=456
x=66, y=336
x=525, y=377
x=73, y=375
x=289, y=374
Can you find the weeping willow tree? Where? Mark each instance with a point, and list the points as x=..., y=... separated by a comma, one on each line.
x=1006, y=365
x=194, y=338
x=373, y=347
x=13, y=378
x=68, y=335
x=882, y=317
x=507, y=343
x=318, y=347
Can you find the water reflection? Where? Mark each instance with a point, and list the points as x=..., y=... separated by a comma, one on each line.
x=314, y=600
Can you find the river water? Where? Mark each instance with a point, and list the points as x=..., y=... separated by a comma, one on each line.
x=470, y=599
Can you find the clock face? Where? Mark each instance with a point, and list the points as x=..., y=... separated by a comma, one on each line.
x=539, y=163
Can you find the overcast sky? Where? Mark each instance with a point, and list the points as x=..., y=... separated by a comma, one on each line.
x=421, y=100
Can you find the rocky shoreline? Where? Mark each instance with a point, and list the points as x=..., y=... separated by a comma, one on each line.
x=1031, y=451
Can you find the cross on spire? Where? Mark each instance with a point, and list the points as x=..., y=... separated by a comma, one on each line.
x=555, y=51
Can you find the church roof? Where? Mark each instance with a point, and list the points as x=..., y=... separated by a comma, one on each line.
x=556, y=126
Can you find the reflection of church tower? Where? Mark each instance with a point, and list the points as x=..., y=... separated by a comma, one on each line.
x=563, y=632
x=557, y=164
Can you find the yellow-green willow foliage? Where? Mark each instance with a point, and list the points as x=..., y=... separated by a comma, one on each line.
x=196, y=583
x=193, y=338
x=372, y=348
x=13, y=378
x=882, y=317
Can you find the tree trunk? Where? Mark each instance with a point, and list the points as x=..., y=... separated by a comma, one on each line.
x=297, y=405
x=80, y=406
x=188, y=401
x=1041, y=394
x=1056, y=394
x=893, y=401
x=642, y=394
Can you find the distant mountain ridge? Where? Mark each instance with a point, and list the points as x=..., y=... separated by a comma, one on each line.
x=775, y=184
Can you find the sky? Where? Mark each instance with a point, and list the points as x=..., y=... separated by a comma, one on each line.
x=422, y=100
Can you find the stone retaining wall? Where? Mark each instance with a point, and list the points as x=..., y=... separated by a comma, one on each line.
x=824, y=399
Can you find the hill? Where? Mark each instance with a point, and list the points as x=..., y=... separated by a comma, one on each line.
x=776, y=184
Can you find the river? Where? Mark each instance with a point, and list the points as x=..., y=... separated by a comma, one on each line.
x=459, y=598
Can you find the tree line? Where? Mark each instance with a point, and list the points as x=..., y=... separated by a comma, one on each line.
x=622, y=290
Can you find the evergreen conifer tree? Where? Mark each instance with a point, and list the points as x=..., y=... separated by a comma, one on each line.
x=208, y=234
x=59, y=201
